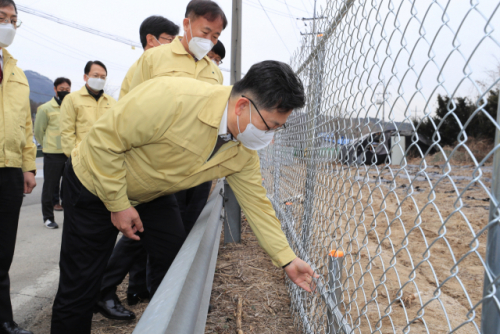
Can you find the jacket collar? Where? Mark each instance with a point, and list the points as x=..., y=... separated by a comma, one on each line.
x=217, y=101
x=83, y=91
x=54, y=103
x=7, y=57
x=179, y=49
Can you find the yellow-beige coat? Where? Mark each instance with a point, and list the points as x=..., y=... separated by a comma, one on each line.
x=173, y=60
x=125, y=88
x=79, y=111
x=157, y=141
x=17, y=148
x=47, y=130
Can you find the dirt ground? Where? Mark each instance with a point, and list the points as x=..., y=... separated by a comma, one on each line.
x=412, y=241
x=243, y=271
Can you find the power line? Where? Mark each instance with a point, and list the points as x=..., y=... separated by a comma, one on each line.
x=77, y=26
x=292, y=21
x=275, y=28
x=71, y=49
x=273, y=11
x=289, y=5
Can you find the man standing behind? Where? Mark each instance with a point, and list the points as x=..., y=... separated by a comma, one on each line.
x=203, y=23
x=17, y=157
x=129, y=256
x=217, y=53
x=81, y=109
x=48, y=133
x=154, y=31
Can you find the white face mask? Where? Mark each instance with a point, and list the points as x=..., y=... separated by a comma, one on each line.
x=7, y=34
x=253, y=138
x=198, y=46
x=215, y=62
x=96, y=83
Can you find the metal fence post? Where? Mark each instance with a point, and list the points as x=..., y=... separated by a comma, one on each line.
x=490, y=321
x=335, y=259
x=232, y=223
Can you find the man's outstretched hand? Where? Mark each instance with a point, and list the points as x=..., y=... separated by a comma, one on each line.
x=128, y=222
x=301, y=274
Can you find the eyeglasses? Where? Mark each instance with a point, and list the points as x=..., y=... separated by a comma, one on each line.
x=280, y=128
x=16, y=23
x=169, y=40
x=96, y=76
x=220, y=62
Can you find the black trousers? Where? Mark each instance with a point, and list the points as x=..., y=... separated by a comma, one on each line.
x=87, y=243
x=53, y=168
x=129, y=256
x=11, y=199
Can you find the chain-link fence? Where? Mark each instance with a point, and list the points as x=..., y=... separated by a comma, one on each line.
x=386, y=181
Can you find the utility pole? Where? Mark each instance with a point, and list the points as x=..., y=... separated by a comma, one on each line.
x=232, y=223
x=236, y=42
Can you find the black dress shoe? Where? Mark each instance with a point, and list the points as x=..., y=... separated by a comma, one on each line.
x=136, y=298
x=113, y=309
x=12, y=328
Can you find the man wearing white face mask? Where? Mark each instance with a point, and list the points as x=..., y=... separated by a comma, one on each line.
x=187, y=57
x=81, y=109
x=17, y=157
x=166, y=135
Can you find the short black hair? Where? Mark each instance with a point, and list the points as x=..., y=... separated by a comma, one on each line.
x=7, y=3
x=207, y=9
x=219, y=49
x=272, y=85
x=157, y=25
x=94, y=62
x=62, y=80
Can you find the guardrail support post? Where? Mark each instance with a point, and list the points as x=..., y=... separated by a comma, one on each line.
x=232, y=223
x=335, y=259
x=490, y=320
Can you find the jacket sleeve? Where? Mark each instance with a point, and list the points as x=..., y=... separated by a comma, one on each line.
x=68, y=126
x=251, y=195
x=41, y=123
x=142, y=72
x=130, y=124
x=29, y=150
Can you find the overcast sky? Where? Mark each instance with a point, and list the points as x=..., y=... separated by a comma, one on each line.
x=56, y=50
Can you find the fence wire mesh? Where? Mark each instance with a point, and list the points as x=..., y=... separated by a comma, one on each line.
x=386, y=182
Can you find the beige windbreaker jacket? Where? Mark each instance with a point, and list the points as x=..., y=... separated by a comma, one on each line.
x=17, y=148
x=157, y=141
x=79, y=111
x=174, y=61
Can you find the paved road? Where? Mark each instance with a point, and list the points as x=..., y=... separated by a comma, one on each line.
x=34, y=273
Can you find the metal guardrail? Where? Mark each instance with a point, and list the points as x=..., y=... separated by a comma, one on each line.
x=180, y=305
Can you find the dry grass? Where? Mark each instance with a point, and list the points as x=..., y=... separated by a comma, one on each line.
x=403, y=236
x=243, y=270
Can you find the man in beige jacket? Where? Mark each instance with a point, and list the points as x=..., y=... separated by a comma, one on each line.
x=166, y=135
x=81, y=109
x=17, y=157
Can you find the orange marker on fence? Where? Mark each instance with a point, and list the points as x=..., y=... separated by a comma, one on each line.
x=335, y=260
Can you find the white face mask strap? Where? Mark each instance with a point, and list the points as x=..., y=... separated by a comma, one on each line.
x=190, y=29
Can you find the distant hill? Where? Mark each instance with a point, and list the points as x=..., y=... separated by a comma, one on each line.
x=41, y=87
